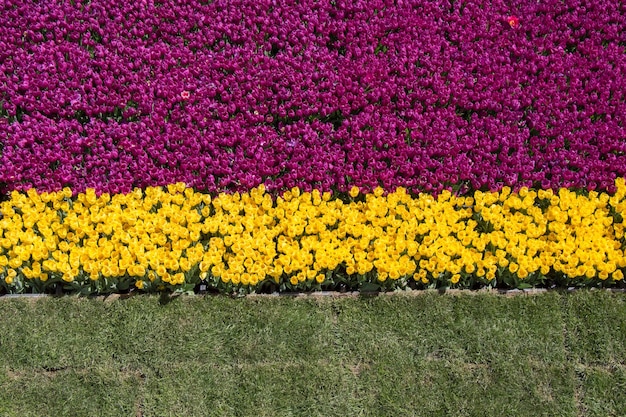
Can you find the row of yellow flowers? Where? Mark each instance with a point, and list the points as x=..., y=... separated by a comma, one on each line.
x=168, y=237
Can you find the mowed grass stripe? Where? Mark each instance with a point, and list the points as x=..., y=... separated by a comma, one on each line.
x=551, y=354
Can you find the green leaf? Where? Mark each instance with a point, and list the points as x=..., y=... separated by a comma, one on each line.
x=370, y=287
x=123, y=285
x=185, y=288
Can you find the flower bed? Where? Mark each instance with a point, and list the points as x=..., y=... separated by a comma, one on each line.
x=471, y=104
x=226, y=96
x=176, y=238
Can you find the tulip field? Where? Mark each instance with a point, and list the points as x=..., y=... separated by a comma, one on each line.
x=387, y=208
x=262, y=146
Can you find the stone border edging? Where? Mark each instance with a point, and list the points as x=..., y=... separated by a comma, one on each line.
x=337, y=294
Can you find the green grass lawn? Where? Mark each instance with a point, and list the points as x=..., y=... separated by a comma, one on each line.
x=551, y=354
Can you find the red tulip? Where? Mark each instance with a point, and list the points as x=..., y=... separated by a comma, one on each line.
x=513, y=21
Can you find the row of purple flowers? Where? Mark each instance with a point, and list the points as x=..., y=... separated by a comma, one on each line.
x=225, y=95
